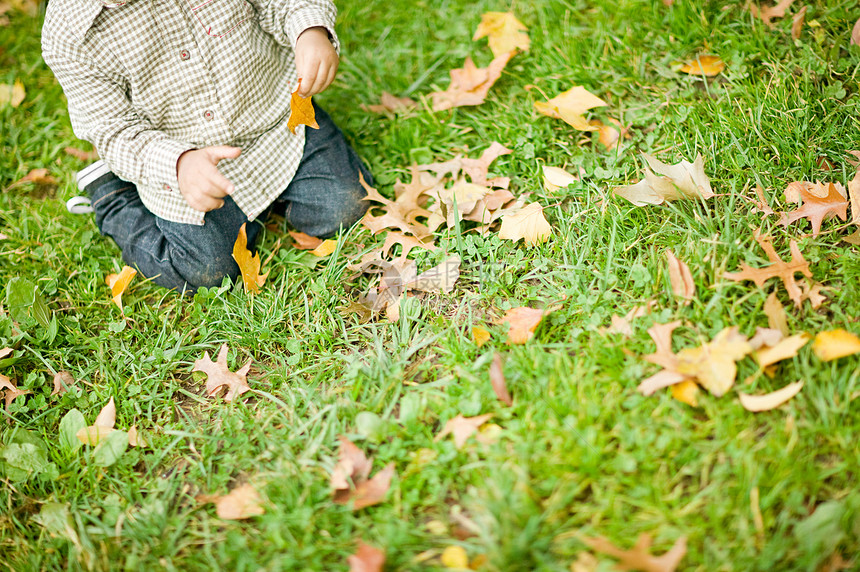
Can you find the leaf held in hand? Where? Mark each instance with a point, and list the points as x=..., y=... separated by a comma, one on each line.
x=301, y=111
x=248, y=265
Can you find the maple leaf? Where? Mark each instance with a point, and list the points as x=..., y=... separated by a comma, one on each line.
x=349, y=479
x=527, y=223
x=680, y=277
x=242, y=502
x=505, y=32
x=639, y=557
x=817, y=207
x=249, y=265
x=768, y=13
x=704, y=65
x=118, y=284
x=462, y=428
x=770, y=400
x=366, y=559
x=470, y=84
x=390, y=103
x=570, y=105
x=219, y=375
x=779, y=269
x=497, y=379
x=683, y=180
x=835, y=344
x=301, y=111
x=523, y=322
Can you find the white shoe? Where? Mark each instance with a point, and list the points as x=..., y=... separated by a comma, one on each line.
x=81, y=205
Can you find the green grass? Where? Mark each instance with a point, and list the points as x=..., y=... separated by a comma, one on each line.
x=581, y=453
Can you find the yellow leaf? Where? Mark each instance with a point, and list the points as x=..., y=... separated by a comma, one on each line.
x=555, y=178
x=771, y=400
x=784, y=349
x=455, y=557
x=240, y=503
x=93, y=434
x=835, y=344
x=325, y=248
x=480, y=336
x=686, y=392
x=504, y=31
x=119, y=282
x=301, y=111
x=713, y=364
x=704, y=65
x=569, y=107
x=527, y=223
x=248, y=265
x=12, y=94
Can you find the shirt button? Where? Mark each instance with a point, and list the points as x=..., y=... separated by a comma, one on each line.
x=208, y=115
x=184, y=55
x=166, y=187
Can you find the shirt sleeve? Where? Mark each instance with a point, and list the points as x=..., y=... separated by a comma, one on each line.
x=101, y=113
x=285, y=20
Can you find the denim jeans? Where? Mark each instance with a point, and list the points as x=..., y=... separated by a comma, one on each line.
x=324, y=196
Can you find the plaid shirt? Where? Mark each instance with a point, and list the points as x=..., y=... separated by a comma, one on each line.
x=147, y=80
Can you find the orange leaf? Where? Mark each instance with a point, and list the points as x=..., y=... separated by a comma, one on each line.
x=349, y=479
x=248, y=265
x=505, y=32
x=242, y=502
x=366, y=559
x=680, y=277
x=480, y=336
x=523, y=322
x=301, y=111
x=686, y=392
x=497, y=379
x=470, y=84
x=82, y=155
x=704, y=65
x=462, y=428
x=569, y=107
x=305, y=241
x=768, y=13
x=118, y=284
x=819, y=202
x=219, y=375
x=639, y=557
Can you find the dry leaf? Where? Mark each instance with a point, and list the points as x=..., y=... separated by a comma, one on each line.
x=390, y=103
x=784, y=349
x=248, y=265
x=506, y=33
x=470, y=84
x=39, y=177
x=10, y=391
x=325, y=248
x=704, y=65
x=771, y=400
x=135, y=439
x=301, y=111
x=775, y=313
x=118, y=284
x=523, y=322
x=82, y=155
x=769, y=13
x=662, y=336
x=680, y=277
x=455, y=557
x=527, y=223
x=686, y=392
x=305, y=241
x=835, y=344
x=349, y=479
x=103, y=426
x=855, y=34
x=219, y=375
x=683, y=180
x=610, y=135
x=854, y=196
x=366, y=559
x=819, y=203
x=713, y=364
x=779, y=269
x=480, y=336
x=497, y=379
x=462, y=428
x=63, y=380
x=438, y=279
x=585, y=561
x=107, y=416
x=12, y=94
x=242, y=502
x=797, y=23
x=570, y=106
x=555, y=178
x=639, y=557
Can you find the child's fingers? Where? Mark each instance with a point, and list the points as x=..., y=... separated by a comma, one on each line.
x=218, y=152
x=218, y=184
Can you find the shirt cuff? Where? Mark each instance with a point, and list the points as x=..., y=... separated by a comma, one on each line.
x=161, y=165
x=304, y=22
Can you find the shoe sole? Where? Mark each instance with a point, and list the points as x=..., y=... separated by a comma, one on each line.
x=91, y=173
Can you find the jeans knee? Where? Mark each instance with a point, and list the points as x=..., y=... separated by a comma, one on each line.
x=209, y=272
x=341, y=216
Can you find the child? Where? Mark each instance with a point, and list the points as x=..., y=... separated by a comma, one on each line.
x=187, y=102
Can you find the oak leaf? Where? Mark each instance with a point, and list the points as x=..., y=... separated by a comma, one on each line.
x=835, y=344
x=819, y=203
x=771, y=400
x=527, y=223
x=301, y=111
x=350, y=482
x=218, y=375
x=523, y=322
x=63, y=380
x=390, y=103
x=504, y=31
x=438, y=279
x=639, y=557
x=569, y=106
x=462, y=428
x=118, y=284
x=407, y=244
x=366, y=559
x=249, y=265
x=242, y=502
x=704, y=65
x=779, y=269
x=666, y=182
x=470, y=84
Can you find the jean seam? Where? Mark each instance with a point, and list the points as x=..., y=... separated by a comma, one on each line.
x=110, y=194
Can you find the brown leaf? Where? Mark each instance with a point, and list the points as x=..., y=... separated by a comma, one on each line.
x=771, y=400
x=476, y=169
x=470, y=84
x=305, y=241
x=242, y=502
x=639, y=557
x=506, y=33
x=761, y=204
x=767, y=14
x=854, y=196
x=407, y=244
x=400, y=213
x=779, y=269
x=527, y=223
x=797, y=23
x=817, y=208
x=91, y=155
x=775, y=313
x=349, y=479
x=10, y=391
x=390, y=103
x=118, y=284
x=523, y=322
x=366, y=559
x=462, y=428
x=683, y=180
x=497, y=379
x=569, y=106
x=219, y=375
x=438, y=279
x=63, y=380
x=855, y=34
x=835, y=344
x=248, y=265
x=301, y=111
x=37, y=177
x=680, y=277
x=705, y=65
x=662, y=336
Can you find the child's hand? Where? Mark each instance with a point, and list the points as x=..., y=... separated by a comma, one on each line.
x=316, y=61
x=200, y=182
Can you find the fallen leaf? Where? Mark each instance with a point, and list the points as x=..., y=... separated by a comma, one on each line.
x=683, y=180
x=242, y=502
x=349, y=479
x=10, y=391
x=107, y=415
x=776, y=317
x=853, y=238
x=527, y=223
x=476, y=169
x=82, y=155
x=855, y=34
x=586, y=561
x=455, y=557
x=771, y=400
x=767, y=14
x=686, y=392
x=497, y=379
x=680, y=277
x=407, y=244
x=248, y=265
x=441, y=278
x=704, y=65
x=366, y=559
x=854, y=196
x=797, y=23
x=118, y=284
x=779, y=269
x=569, y=106
x=305, y=241
x=134, y=438
x=103, y=426
x=713, y=364
x=462, y=428
x=325, y=248
x=37, y=177
x=639, y=557
x=219, y=375
x=610, y=135
x=555, y=178
x=662, y=336
x=480, y=336
x=12, y=94
x=762, y=204
x=301, y=111
x=63, y=380
x=835, y=344
x=784, y=349
x=505, y=33
x=523, y=322
x=470, y=84
x=619, y=325
x=819, y=203
x=390, y=103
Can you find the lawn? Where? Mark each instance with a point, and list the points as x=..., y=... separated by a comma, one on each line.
x=580, y=453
